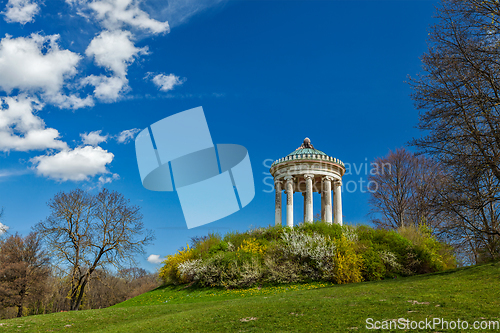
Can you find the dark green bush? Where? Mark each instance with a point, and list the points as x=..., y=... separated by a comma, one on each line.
x=334, y=231
x=373, y=265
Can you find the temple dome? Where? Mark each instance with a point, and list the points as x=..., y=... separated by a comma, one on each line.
x=306, y=151
x=299, y=151
x=306, y=148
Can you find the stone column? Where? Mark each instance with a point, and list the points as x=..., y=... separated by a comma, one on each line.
x=327, y=181
x=323, y=212
x=277, y=202
x=338, y=202
x=289, y=201
x=309, y=198
x=304, y=197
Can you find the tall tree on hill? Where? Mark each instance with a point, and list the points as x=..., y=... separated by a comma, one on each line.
x=24, y=270
x=459, y=94
x=88, y=232
x=407, y=187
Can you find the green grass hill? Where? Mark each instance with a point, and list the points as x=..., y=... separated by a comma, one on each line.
x=470, y=294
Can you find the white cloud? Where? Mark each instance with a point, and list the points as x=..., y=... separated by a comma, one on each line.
x=114, y=50
x=21, y=11
x=21, y=129
x=35, y=63
x=12, y=173
x=3, y=228
x=93, y=138
x=177, y=12
x=114, y=13
x=107, y=89
x=78, y=164
x=108, y=179
x=68, y=102
x=127, y=135
x=167, y=82
x=155, y=259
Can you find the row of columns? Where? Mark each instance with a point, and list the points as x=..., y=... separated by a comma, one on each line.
x=326, y=200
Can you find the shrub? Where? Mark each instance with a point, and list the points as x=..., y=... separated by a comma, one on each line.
x=218, y=247
x=253, y=246
x=236, y=238
x=226, y=269
x=433, y=255
x=390, y=260
x=373, y=265
x=269, y=234
x=281, y=268
x=311, y=251
x=169, y=273
x=204, y=244
x=331, y=230
x=348, y=264
x=190, y=269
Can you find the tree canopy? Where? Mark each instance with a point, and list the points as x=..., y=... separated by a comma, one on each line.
x=86, y=232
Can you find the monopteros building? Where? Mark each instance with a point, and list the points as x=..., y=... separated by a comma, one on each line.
x=309, y=170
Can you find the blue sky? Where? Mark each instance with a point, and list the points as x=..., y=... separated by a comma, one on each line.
x=79, y=78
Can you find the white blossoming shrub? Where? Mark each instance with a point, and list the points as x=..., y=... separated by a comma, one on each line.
x=223, y=270
x=390, y=260
x=189, y=270
x=315, y=252
x=350, y=233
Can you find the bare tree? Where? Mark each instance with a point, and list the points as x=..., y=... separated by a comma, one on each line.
x=24, y=270
x=459, y=93
x=407, y=186
x=87, y=232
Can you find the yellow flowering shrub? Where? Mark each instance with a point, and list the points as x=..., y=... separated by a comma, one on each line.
x=252, y=245
x=169, y=273
x=348, y=264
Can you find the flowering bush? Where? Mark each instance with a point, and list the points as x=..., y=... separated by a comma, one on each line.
x=310, y=251
x=169, y=273
x=280, y=267
x=189, y=270
x=314, y=251
x=348, y=264
x=223, y=270
x=253, y=246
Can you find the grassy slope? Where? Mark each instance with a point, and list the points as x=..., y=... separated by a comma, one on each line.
x=466, y=294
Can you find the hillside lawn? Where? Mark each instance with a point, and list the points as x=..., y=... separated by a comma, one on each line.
x=470, y=293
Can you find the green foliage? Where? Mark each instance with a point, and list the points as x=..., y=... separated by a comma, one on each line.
x=202, y=246
x=433, y=255
x=230, y=270
x=373, y=265
x=217, y=247
x=334, y=231
x=311, y=251
x=280, y=267
x=236, y=239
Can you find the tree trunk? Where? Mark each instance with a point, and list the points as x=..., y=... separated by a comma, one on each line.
x=79, y=296
x=20, y=307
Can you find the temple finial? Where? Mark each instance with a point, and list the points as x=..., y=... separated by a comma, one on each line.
x=306, y=144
